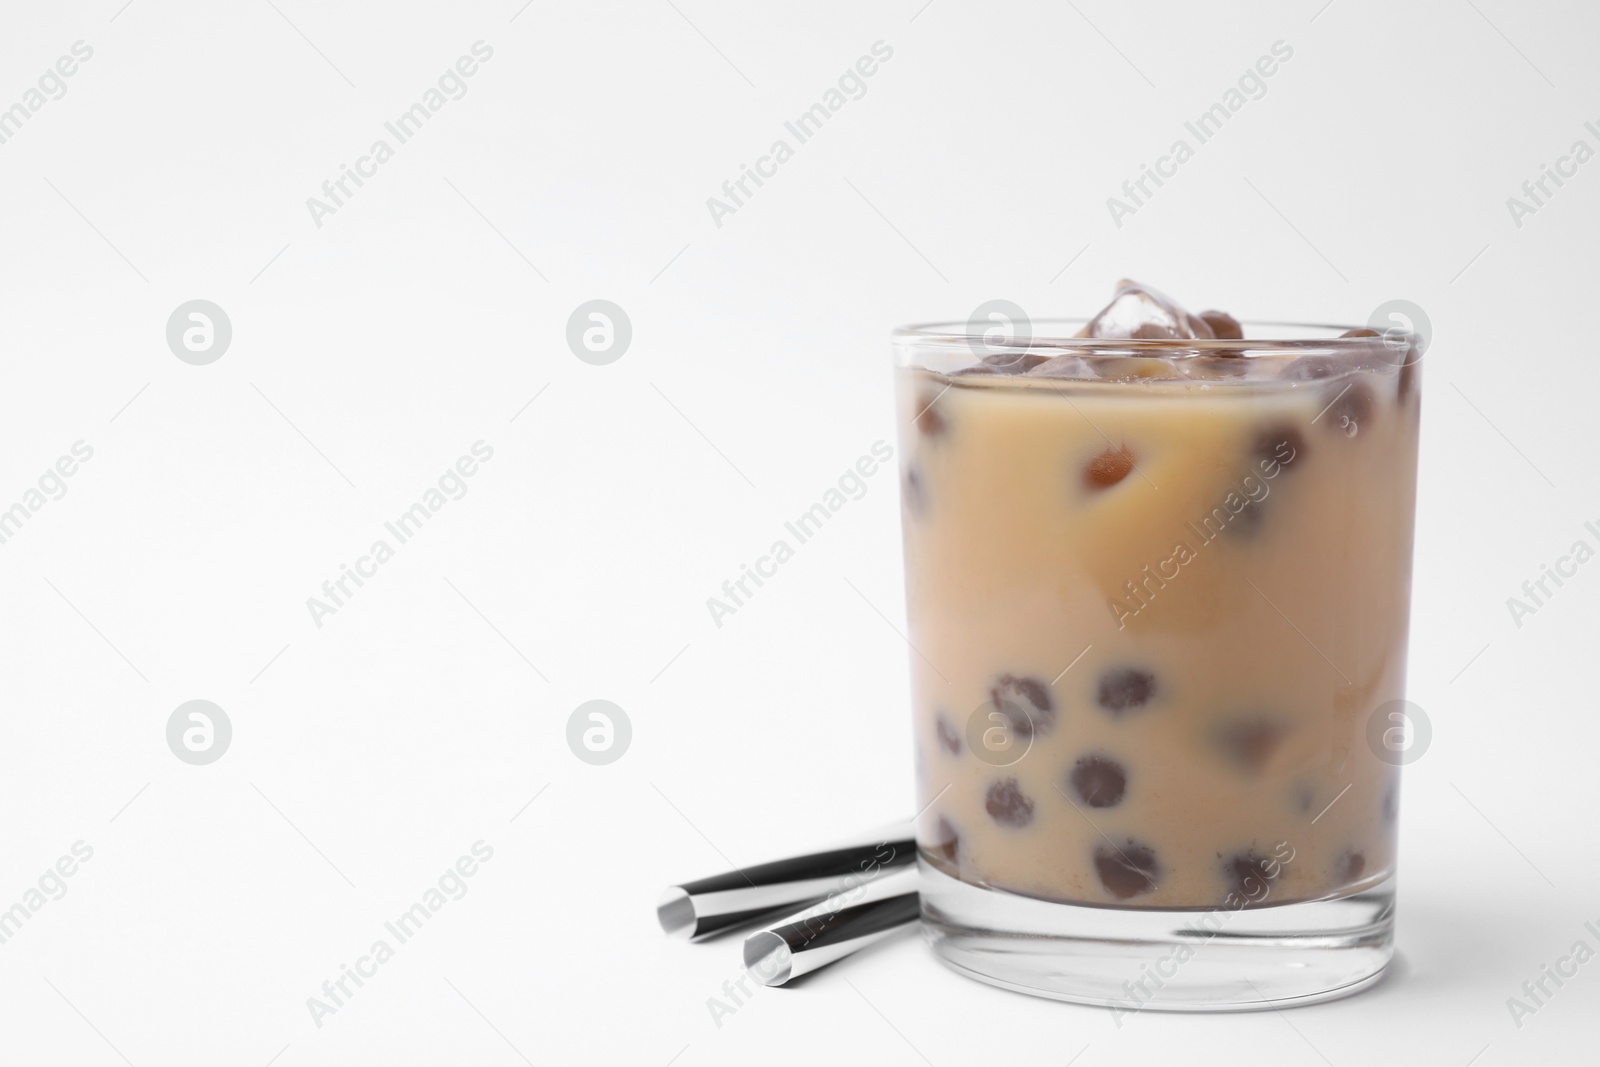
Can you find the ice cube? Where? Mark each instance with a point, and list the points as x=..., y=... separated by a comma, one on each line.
x=1216, y=368
x=1014, y=362
x=1063, y=367
x=1132, y=368
x=1138, y=311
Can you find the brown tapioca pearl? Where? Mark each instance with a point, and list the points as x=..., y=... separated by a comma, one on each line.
x=1247, y=744
x=1348, y=867
x=1013, y=362
x=1125, y=688
x=1127, y=870
x=1303, y=797
x=1099, y=781
x=1108, y=467
x=949, y=740
x=1026, y=703
x=930, y=420
x=1249, y=876
x=1391, y=802
x=1279, y=448
x=1349, y=406
x=977, y=370
x=1223, y=325
x=1362, y=331
x=946, y=841
x=1007, y=804
x=1246, y=525
x=913, y=497
x=1274, y=450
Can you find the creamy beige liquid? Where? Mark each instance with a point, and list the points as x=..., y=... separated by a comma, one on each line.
x=1236, y=648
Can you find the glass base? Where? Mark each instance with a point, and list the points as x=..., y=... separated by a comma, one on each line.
x=1140, y=959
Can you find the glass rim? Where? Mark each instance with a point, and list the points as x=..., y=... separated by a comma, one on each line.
x=1319, y=337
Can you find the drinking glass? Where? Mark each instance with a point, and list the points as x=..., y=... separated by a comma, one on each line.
x=1158, y=595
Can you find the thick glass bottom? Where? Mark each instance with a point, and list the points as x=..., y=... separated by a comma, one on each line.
x=1132, y=959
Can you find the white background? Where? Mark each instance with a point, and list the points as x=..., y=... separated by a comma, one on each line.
x=368, y=354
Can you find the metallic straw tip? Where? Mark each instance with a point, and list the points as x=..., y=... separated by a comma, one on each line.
x=768, y=957
x=676, y=912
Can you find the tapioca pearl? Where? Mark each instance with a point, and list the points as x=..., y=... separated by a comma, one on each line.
x=1247, y=744
x=1303, y=796
x=1223, y=325
x=1348, y=867
x=1347, y=407
x=1124, y=689
x=1391, y=802
x=1099, y=781
x=930, y=419
x=1127, y=870
x=1007, y=804
x=1361, y=331
x=949, y=740
x=1247, y=524
x=1108, y=467
x=1277, y=449
x=1249, y=875
x=946, y=841
x=913, y=494
x=1026, y=703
